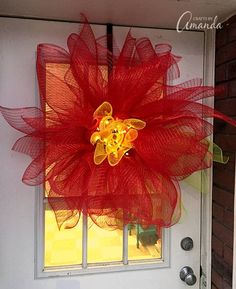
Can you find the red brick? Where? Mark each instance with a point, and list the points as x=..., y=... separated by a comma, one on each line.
x=226, y=285
x=218, y=212
x=227, y=106
x=220, y=73
x=224, y=175
x=231, y=69
x=231, y=155
x=221, y=38
x=229, y=219
x=222, y=268
x=217, y=264
x=217, y=280
x=226, y=142
x=223, y=233
x=221, y=91
x=217, y=246
x=224, y=179
x=223, y=127
x=230, y=165
x=232, y=88
x=232, y=33
x=228, y=274
x=230, y=22
x=226, y=53
x=223, y=198
x=228, y=255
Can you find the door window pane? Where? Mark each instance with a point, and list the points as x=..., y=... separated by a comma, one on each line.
x=104, y=245
x=62, y=247
x=143, y=243
x=65, y=246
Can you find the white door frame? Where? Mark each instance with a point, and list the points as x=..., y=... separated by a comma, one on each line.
x=206, y=216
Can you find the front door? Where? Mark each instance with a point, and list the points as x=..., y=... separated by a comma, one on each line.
x=85, y=257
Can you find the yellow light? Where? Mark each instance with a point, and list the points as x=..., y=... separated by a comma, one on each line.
x=113, y=137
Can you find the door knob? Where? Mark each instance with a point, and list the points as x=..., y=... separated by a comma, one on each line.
x=187, y=275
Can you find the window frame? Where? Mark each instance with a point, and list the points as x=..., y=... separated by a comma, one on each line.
x=83, y=269
x=70, y=270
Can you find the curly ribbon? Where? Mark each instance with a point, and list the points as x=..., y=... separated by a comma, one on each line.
x=200, y=180
x=218, y=155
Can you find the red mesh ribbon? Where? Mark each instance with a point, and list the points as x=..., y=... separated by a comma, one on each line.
x=143, y=188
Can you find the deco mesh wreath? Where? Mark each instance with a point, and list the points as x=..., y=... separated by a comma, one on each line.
x=112, y=137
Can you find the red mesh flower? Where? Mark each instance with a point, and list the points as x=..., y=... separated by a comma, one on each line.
x=112, y=138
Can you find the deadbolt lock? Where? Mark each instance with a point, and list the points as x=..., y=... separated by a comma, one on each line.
x=187, y=244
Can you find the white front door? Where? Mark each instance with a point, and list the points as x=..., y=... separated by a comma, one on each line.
x=20, y=269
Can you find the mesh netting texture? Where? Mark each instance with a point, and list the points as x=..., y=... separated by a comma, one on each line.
x=147, y=134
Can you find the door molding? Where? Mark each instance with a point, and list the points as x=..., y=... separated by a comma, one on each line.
x=206, y=214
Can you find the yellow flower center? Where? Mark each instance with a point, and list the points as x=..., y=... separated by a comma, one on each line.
x=113, y=137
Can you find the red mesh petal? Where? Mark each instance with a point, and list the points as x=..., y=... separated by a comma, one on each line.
x=29, y=145
x=17, y=117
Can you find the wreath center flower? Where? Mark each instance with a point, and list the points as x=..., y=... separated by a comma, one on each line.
x=113, y=137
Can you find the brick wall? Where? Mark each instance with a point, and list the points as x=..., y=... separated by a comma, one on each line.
x=224, y=175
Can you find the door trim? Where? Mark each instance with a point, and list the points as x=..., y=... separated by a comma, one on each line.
x=42, y=272
x=206, y=207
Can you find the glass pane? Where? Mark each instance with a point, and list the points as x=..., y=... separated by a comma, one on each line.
x=143, y=243
x=64, y=246
x=104, y=245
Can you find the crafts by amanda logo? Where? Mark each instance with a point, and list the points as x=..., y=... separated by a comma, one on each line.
x=189, y=22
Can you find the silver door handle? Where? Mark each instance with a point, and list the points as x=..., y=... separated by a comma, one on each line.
x=187, y=275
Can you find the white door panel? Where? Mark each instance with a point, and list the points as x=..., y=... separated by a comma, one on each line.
x=18, y=88
x=188, y=45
